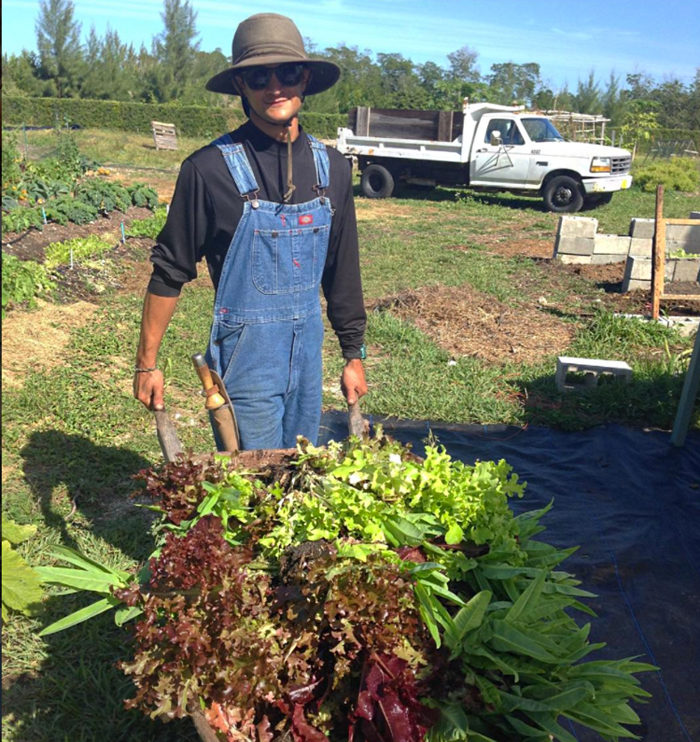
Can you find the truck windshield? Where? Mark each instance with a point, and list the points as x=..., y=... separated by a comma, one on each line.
x=541, y=130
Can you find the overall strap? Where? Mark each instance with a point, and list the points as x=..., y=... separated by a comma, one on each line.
x=321, y=161
x=237, y=164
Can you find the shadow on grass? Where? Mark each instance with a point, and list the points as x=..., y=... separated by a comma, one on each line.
x=97, y=482
x=77, y=692
x=453, y=195
x=649, y=402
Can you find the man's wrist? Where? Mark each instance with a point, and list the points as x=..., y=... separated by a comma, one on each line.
x=359, y=354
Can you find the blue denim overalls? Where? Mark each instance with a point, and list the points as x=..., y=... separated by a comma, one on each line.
x=267, y=330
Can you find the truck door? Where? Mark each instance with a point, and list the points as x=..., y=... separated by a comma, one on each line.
x=505, y=163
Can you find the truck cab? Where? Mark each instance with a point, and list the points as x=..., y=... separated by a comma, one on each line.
x=526, y=152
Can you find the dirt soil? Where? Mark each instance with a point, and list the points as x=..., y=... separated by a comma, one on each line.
x=461, y=320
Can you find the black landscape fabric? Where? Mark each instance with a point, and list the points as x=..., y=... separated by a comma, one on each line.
x=631, y=501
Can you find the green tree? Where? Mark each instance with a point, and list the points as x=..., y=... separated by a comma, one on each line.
x=513, y=83
x=20, y=74
x=463, y=65
x=401, y=86
x=613, y=100
x=174, y=51
x=111, y=68
x=588, y=98
x=60, y=52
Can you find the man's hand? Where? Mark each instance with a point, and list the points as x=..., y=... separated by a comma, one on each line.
x=352, y=381
x=148, y=389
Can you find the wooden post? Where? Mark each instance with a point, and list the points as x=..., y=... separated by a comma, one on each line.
x=658, y=252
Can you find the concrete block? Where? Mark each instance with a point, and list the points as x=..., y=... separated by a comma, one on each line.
x=635, y=284
x=611, y=244
x=577, y=226
x=580, y=373
x=574, y=259
x=686, y=269
x=686, y=234
x=639, y=268
x=603, y=259
x=640, y=246
x=573, y=245
x=642, y=228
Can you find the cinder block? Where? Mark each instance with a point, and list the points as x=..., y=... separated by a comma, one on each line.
x=639, y=268
x=611, y=244
x=688, y=235
x=640, y=246
x=574, y=259
x=635, y=284
x=577, y=226
x=642, y=228
x=602, y=259
x=573, y=245
x=685, y=269
x=580, y=373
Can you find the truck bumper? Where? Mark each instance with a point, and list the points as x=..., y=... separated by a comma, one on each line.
x=606, y=185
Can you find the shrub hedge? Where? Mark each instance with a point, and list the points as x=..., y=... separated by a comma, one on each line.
x=194, y=121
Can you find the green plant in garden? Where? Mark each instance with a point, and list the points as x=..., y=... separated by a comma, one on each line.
x=104, y=195
x=149, y=227
x=23, y=281
x=61, y=253
x=21, y=585
x=143, y=195
x=19, y=218
x=676, y=174
x=356, y=589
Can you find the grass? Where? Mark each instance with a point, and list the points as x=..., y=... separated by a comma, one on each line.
x=73, y=437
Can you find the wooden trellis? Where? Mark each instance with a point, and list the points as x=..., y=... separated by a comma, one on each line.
x=658, y=251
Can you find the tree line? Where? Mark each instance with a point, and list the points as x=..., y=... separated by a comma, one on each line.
x=175, y=68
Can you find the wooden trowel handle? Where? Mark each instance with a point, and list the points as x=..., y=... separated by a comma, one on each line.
x=214, y=398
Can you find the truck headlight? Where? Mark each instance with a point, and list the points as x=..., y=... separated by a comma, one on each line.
x=600, y=165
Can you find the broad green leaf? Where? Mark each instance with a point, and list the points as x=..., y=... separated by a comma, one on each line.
x=84, y=614
x=472, y=614
x=427, y=612
x=527, y=600
x=14, y=532
x=454, y=534
x=507, y=638
x=79, y=579
x=89, y=565
x=21, y=585
x=589, y=715
x=126, y=613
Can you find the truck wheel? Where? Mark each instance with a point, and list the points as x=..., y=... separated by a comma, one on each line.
x=563, y=194
x=377, y=182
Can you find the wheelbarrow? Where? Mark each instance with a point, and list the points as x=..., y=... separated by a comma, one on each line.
x=218, y=404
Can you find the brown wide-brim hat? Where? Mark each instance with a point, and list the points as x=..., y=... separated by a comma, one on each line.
x=269, y=38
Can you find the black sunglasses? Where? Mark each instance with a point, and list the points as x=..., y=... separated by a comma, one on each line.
x=288, y=74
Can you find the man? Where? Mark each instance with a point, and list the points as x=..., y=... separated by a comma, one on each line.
x=271, y=210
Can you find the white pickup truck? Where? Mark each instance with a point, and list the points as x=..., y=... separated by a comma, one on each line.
x=486, y=147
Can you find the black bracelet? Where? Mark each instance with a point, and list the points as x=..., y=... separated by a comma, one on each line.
x=138, y=370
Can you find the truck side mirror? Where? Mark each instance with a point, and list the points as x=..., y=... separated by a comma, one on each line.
x=495, y=139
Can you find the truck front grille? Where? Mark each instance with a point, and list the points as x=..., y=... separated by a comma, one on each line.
x=620, y=165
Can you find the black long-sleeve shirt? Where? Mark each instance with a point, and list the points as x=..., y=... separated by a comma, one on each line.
x=206, y=208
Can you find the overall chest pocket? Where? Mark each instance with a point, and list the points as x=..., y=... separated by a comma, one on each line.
x=289, y=260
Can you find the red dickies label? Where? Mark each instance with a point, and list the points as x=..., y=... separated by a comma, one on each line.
x=306, y=219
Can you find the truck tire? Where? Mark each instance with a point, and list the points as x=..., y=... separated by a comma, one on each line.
x=377, y=182
x=563, y=194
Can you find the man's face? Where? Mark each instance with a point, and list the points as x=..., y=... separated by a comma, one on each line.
x=276, y=102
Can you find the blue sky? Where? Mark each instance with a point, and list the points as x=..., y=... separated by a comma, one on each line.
x=568, y=39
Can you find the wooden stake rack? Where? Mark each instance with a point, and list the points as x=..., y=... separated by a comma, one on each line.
x=658, y=251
